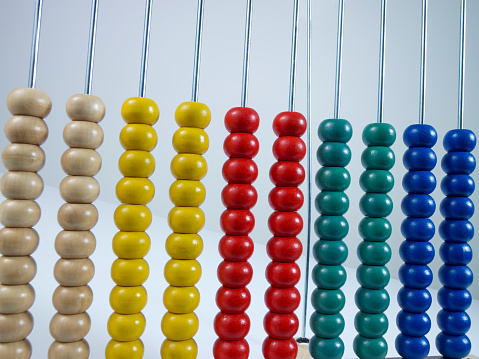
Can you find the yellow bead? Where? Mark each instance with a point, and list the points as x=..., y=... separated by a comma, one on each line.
x=185, y=349
x=140, y=110
x=181, y=300
x=128, y=300
x=190, y=140
x=184, y=246
x=179, y=326
x=186, y=219
x=137, y=164
x=131, y=245
x=187, y=166
x=193, y=114
x=124, y=350
x=134, y=190
x=126, y=327
x=132, y=217
x=138, y=136
x=187, y=193
x=182, y=273
x=129, y=272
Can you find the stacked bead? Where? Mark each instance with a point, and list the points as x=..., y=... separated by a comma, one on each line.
x=232, y=324
x=21, y=185
x=74, y=270
x=416, y=251
x=456, y=230
x=132, y=218
x=330, y=251
x=186, y=219
x=373, y=276
x=284, y=248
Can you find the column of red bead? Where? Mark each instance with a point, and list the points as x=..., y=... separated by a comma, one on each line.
x=285, y=223
x=232, y=324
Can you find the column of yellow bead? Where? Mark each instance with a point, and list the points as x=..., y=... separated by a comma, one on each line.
x=186, y=219
x=132, y=217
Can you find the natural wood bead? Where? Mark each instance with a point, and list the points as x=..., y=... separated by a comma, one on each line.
x=28, y=101
x=18, y=241
x=17, y=270
x=81, y=162
x=15, y=327
x=77, y=217
x=72, y=300
x=17, y=350
x=19, y=213
x=74, y=272
x=16, y=298
x=21, y=185
x=83, y=107
x=23, y=157
x=79, y=189
x=75, y=244
x=82, y=134
x=26, y=129
x=74, y=350
x=69, y=328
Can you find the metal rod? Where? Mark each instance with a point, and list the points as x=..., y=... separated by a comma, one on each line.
x=146, y=44
x=422, y=83
x=247, y=45
x=294, y=51
x=382, y=38
x=196, y=65
x=37, y=21
x=462, y=63
x=339, y=49
x=91, y=46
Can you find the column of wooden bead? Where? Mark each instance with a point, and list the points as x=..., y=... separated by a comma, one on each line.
x=21, y=185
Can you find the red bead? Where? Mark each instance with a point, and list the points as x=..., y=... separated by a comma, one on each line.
x=289, y=124
x=285, y=224
x=284, y=249
x=280, y=349
x=240, y=170
x=233, y=300
x=236, y=248
x=237, y=222
x=289, y=148
x=231, y=326
x=280, y=326
x=282, y=300
x=239, y=196
x=225, y=349
x=235, y=274
x=283, y=275
x=286, y=174
x=242, y=119
x=286, y=199
x=238, y=144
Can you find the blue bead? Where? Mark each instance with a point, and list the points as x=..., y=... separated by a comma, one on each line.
x=413, y=276
x=457, y=254
x=452, y=346
x=457, y=300
x=458, y=163
x=414, y=300
x=422, y=182
x=458, y=185
x=420, y=136
x=412, y=347
x=413, y=324
x=455, y=277
x=457, y=208
x=419, y=159
x=418, y=205
x=459, y=140
x=453, y=323
x=414, y=252
x=456, y=230
x=417, y=229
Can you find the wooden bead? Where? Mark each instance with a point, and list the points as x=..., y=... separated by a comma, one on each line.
x=82, y=134
x=15, y=327
x=18, y=241
x=69, y=328
x=84, y=107
x=17, y=270
x=21, y=185
x=77, y=217
x=75, y=244
x=81, y=162
x=18, y=350
x=19, y=213
x=77, y=350
x=16, y=299
x=73, y=272
x=79, y=189
x=26, y=129
x=23, y=157
x=28, y=101
x=72, y=300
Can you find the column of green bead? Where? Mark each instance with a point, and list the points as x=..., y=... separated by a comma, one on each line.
x=330, y=251
x=373, y=276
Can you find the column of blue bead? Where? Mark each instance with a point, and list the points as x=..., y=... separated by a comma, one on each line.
x=416, y=251
x=455, y=252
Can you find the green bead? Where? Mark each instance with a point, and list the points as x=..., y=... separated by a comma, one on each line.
x=376, y=205
x=328, y=301
x=335, y=130
x=333, y=154
x=377, y=181
x=326, y=325
x=378, y=158
x=371, y=300
x=375, y=229
x=321, y=348
x=333, y=179
x=374, y=253
x=329, y=277
x=366, y=348
x=372, y=277
x=331, y=203
x=330, y=252
x=332, y=228
x=379, y=134
x=371, y=325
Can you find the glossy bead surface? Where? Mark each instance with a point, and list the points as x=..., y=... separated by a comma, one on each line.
x=372, y=277
x=231, y=326
x=241, y=145
x=139, y=137
x=289, y=124
x=414, y=252
x=69, y=328
x=286, y=198
x=241, y=119
x=332, y=179
x=79, y=189
x=284, y=249
x=236, y=248
x=235, y=274
x=190, y=140
x=458, y=163
x=412, y=347
x=282, y=300
x=72, y=300
x=285, y=224
x=332, y=203
x=367, y=348
x=131, y=245
x=179, y=327
x=371, y=325
x=415, y=276
x=186, y=219
x=239, y=196
x=459, y=140
x=287, y=174
x=418, y=205
x=279, y=349
x=23, y=157
x=132, y=218
x=181, y=300
x=329, y=277
x=326, y=326
x=129, y=272
x=29, y=101
x=414, y=300
x=374, y=253
x=187, y=349
x=454, y=299
x=280, y=326
x=240, y=170
x=330, y=252
x=453, y=323
x=126, y=327
x=376, y=181
x=82, y=134
x=376, y=205
x=83, y=107
x=333, y=154
x=413, y=324
x=282, y=275
x=140, y=110
x=184, y=245
x=379, y=134
x=124, y=350
x=419, y=182
x=372, y=301
x=328, y=301
x=182, y=273
x=237, y=222
x=26, y=129
x=420, y=135
x=128, y=300
x=455, y=277
x=456, y=230
x=133, y=190
x=419, y=159
x=458, y=254
x=136, y=164
x=335, y=130
x=225, y=349
x=233, y=300
x=187, y=166
x=457, y=185
x=289, y=148
x=331, y=228
x=378, y=158
x=193, y=114
x=184, y=193
x=452, y=346
x=457, y=208
x=321, y=348
x=418, y=229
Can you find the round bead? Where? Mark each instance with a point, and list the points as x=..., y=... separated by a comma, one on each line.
x=126, y=327
x=457, y=185
x=419, y=182
x=368, y=348
x=374, y=253
x=233, y=300
x=140, y=110
x=188, y=166
x=81, y=162
x=75, y=244
x=242, y=119
x=241, y=145
x=452, y=346
x=240, y=170
x=412, y=347
x=375, y=229
x=454, y=230
x=234, y=274
x=84, y=107
x=289, y=124
x=193, y=114
x=459, y=140
x=458, y=254
x=333, y=154
x=282, y=300
x=17, y=270
x=329, y=277
x=414, y=300
x=458, y=163
x=378, y=158
x=372, y=277
x=73, y=272
x=179, y=326
x=136, y=164
x=417, y=229
x=129, y=272
x=190, y=140
x=415, y=276
x=23, y=157
x=330, y=252
x=239, y=196
x=376, y=205
x=236, y=248
x=456, y=300
x=332, y=179
x=332, y=228
x=180, y=299
x=457, y=208
x=128, y=300
x=186, y=349
x=21, y=185
x=335, y=130
x=79, y=189
x=124, y=350
x=287, y=174
x=328, y=301
x=16, y=299
x=231, y=326
x=237, y=222
x=379, y=134
x=72, y=300
x=285, y=224
x=69, y=328
x=455, y=277
x=286, y=199
x=82, y=134
x=280, y=326
x=79, y=350
x=289, y=148
x=321, y=348
x=282, y=275
x=377, y=181
x=326, y=325
x=132, y=217
x=371, y=300
x=453, y=323
x=29, y=101
x=279, y=349
x=413, y=324
x=137, y=136
x=224, y=349
x=182, y=273
x=184, y=246
x=419, y=159
x=371, y=325
x=26, y=129
x=284, y=249
x=77, y=217
x=420, y=135
x=135, y=190
x=15, y=327
x=331, y=203
x=414, y=252
x=418, y=205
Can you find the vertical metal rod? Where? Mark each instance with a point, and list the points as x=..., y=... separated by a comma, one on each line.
x=339, y=49
x=247, y=45
x=382, y=38
x=462, y=62
x=37, y=21
x=294, y=51
x=196, y=65
x=91, y=46
x=146, y=44
x=422, y=81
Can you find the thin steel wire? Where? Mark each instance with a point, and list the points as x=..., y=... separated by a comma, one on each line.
x=146, y=45
x=382, y=43
x=196, y=65
x=462, y=63
x=339, y=50
x=294, y=51
x=247, y=46
x=91, y=46
x=422, y=81
x=37, y=21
